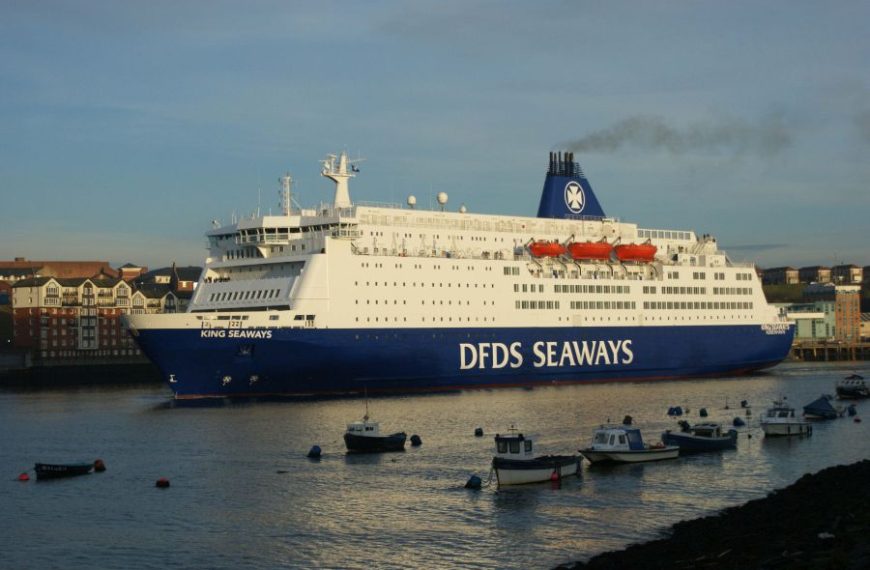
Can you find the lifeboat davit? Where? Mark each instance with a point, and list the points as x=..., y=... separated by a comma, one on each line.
x=590, y=250
x=635, y=252
x=546, y=249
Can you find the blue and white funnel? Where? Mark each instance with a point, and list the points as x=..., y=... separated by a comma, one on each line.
x=567, y=193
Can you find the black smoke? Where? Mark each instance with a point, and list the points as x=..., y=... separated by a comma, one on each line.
x=767, y=137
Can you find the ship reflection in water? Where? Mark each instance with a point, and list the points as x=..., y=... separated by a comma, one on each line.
x=244, y=494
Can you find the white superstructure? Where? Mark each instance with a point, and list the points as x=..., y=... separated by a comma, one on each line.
x=362, y=266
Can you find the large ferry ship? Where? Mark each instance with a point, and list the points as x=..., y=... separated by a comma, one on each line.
x=346, y=298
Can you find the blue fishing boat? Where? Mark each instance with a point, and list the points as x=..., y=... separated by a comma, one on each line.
x=701, y=437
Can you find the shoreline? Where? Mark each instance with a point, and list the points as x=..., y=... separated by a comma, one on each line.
x=820, y=521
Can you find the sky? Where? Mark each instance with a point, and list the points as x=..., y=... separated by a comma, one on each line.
x=127, y=127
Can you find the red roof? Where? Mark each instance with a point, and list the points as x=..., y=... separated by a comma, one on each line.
x=63, y=268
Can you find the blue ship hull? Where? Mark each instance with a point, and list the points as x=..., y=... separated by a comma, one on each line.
x=296, y=362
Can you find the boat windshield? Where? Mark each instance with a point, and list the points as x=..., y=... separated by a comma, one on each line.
x=600, y=437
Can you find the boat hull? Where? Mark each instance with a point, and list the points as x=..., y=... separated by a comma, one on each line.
x=852, y=393
x=688, y=442
x=630, y=456
x=294, y=362
x=538, y=470
x=375, y=444
x=787, y=429
x=60, y=470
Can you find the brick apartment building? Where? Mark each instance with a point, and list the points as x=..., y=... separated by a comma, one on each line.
x=80, y=318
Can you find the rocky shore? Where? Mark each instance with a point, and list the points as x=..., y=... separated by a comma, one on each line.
x=821, y=521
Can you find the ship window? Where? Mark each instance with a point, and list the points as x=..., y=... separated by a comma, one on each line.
x=502, y=446
x=622, y=439
x=528, y=446
x=515, y=446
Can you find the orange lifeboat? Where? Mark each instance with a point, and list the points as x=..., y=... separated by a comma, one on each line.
x=635, y=252
x=590, y=250
x=546, y=249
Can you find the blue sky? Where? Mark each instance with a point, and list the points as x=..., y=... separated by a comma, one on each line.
x=126, y=127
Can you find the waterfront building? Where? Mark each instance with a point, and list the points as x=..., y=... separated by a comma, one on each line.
x=780, y=276
x=129, y=272
x=72, y=318
x=848, y=274
x=865, y=326
x=179, y=278
x=61, y=319
x=841, y=301
x=5, y=292
x=813, y=321
x=814, y=274
x=151, y=298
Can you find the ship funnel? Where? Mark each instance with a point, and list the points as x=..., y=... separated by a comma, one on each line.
x=567, y=193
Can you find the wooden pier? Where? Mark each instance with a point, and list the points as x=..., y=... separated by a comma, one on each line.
x=829, y=351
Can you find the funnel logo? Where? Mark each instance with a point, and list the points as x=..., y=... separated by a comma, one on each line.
x=574, y=197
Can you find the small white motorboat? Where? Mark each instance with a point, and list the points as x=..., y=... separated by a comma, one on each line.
x=780, y=419
x=622, y=444
x=515, y=462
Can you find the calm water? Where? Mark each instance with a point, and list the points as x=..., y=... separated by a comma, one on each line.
x=244, y=495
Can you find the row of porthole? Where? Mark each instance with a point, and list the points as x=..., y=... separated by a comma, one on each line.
x=422, y=284
x=396, y=336
x=423, y=302
x=698, y=305
x=645, y=318
x=423, y=319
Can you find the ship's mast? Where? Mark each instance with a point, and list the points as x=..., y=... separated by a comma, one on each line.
x=336, y=169
x=286, y=195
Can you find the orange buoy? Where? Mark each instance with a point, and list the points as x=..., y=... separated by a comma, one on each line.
x=162, y=483
x=24, y=477
x=99, y=466
x=555, y=476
